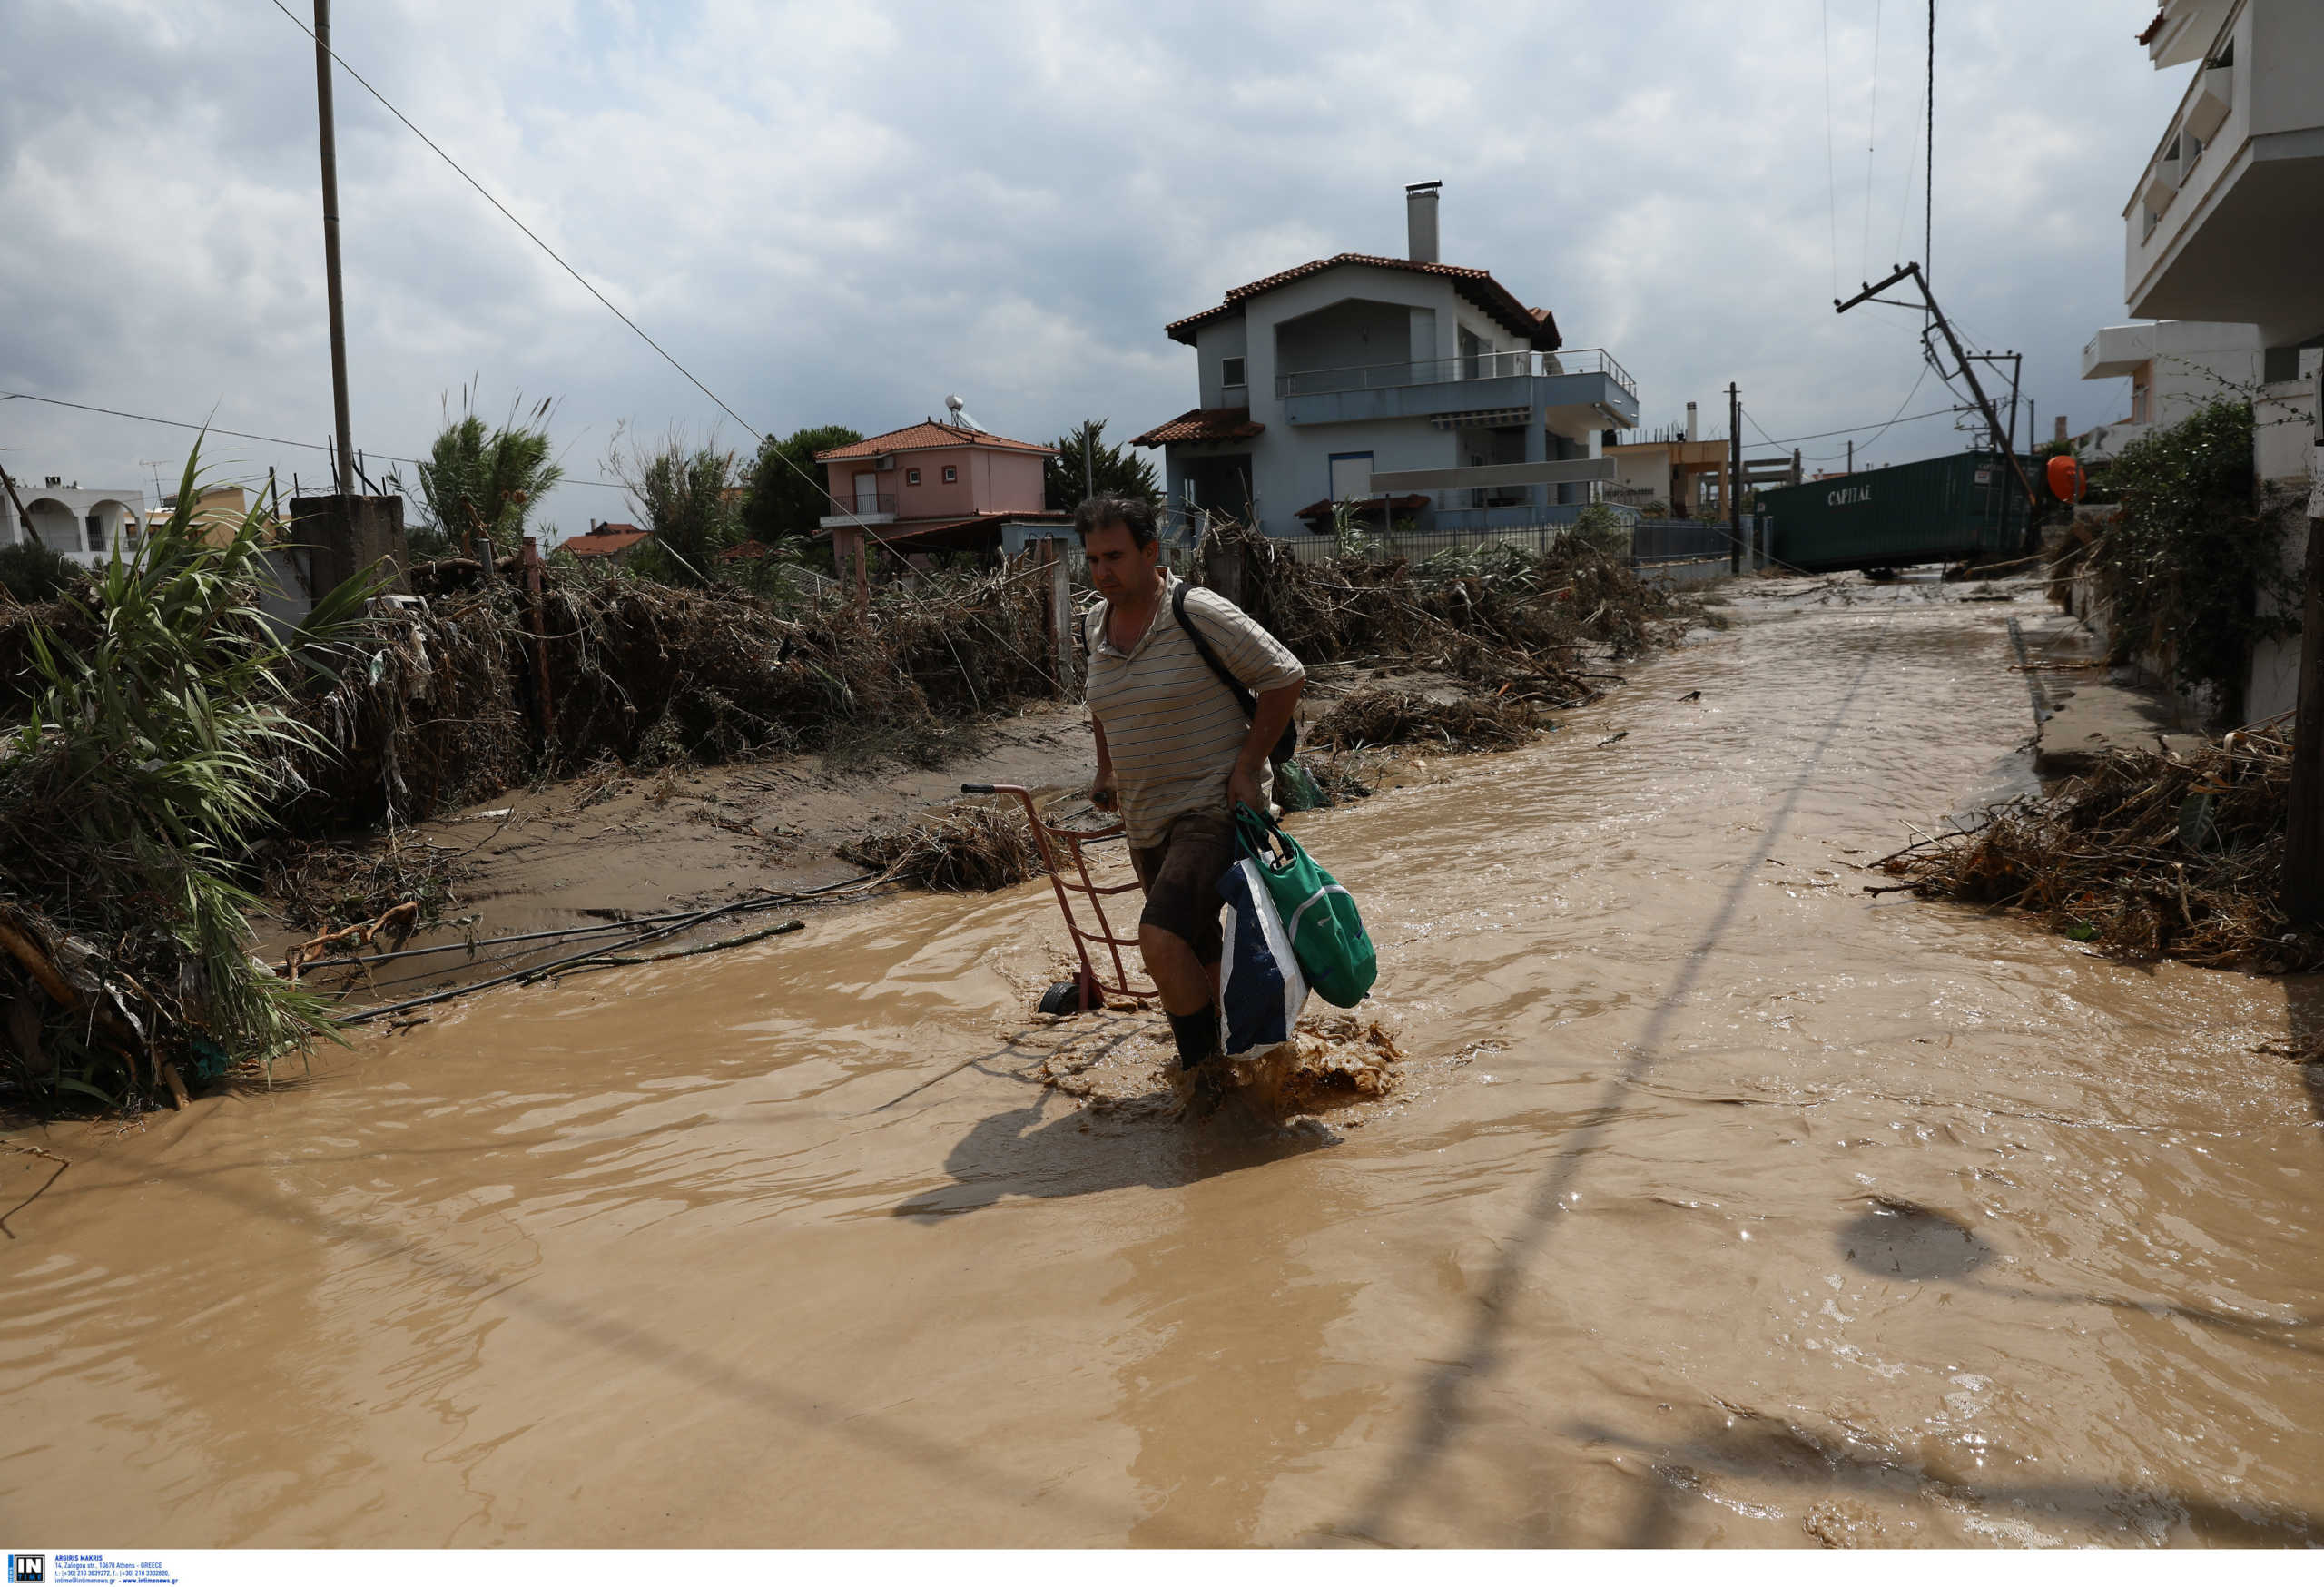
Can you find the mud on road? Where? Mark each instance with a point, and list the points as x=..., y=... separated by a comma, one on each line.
x=1718, y=1203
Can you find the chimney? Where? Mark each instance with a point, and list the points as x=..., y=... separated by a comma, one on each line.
x=1690, y=423
x=2062, y=426
x=1420, y=222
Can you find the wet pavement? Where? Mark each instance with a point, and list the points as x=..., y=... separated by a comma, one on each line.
x=1722, y=1204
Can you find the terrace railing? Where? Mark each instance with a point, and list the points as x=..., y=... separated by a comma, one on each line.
x=1483, y=366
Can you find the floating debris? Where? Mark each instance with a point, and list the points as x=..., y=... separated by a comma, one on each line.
x=965, y=848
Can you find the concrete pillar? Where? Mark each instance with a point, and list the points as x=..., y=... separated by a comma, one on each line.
x=345, y=534
x=1537, y=450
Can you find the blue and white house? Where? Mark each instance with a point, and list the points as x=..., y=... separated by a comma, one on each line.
x=1424, y=391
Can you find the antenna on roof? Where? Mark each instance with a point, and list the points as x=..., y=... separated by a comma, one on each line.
x=953, y=406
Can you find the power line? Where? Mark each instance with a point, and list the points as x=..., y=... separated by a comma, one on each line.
x=520, y=225
x=1831, y=177
x=755, y=433
x=1871, y=135
x=247, y=436
x=1899, y=417
x=1928, y=185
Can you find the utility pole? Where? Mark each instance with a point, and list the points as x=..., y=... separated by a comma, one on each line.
x=344, y=458
x=1088, y=471
x=2303, y=883
x=1961, y=358
x=1734, y=478
x=1851, y=456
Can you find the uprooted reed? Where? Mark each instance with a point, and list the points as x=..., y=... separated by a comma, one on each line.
x=1376, y=717
x=2150, y=855
x=965, y=849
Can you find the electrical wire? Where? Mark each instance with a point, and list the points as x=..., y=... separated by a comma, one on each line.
x=755, y=431
x=246, y=435
x=1831, y=176
x=1871, y=136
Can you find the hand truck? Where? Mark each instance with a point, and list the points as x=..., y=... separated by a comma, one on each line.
x=1086, y=990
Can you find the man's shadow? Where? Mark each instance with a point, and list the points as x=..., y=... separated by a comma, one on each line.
x=1085, y=1151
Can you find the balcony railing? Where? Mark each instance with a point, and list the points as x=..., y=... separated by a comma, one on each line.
x=1486, y=366
x=864, y=506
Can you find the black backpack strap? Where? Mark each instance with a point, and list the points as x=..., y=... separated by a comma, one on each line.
x=1289, y=745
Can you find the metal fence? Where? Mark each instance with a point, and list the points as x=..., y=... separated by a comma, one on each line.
x=1534, y=538
x=1483, y=366
x=1678, y=539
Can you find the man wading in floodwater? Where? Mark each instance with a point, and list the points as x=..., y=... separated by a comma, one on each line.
x=1175, y=752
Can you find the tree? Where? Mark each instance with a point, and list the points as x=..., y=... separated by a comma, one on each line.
x=489, y=479
x=784, y=497
x=684, y=494
x=1114, y=470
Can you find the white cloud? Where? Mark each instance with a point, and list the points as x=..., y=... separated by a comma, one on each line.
x=841, y=213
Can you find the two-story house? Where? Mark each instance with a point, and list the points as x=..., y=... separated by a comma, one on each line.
x=1420, y=390
x=940, y=486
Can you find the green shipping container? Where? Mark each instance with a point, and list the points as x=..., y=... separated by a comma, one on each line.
x=1941, y=510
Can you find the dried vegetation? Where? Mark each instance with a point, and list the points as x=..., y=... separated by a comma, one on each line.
x=2149, y=856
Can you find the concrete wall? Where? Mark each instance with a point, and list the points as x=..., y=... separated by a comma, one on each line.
x=2286, y=69
x=2284, y=456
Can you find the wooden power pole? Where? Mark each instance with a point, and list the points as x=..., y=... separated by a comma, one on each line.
x=1734, y=477
x=2303, y=883
x=345, y=458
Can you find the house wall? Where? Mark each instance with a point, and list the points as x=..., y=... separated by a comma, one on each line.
x=1213, y=344
x=2287, y=40
x=1347, y=334
x=990, y=481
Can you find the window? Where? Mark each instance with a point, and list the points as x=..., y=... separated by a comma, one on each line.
x=911, y=476
x=952, y=474
x=1230, y=371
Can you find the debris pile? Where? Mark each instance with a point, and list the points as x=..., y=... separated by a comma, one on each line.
x=2149, y=856
x=1372, y=718
x=1489, y=614
x=447, y=711
x=965, y=849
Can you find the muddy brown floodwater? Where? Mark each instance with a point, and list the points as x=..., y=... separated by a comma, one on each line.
x=1719, y=1203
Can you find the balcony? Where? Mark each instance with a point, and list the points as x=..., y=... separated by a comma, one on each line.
x=1583, y=390
x=2224, y=223
x=2116, y=352
x=869, y=510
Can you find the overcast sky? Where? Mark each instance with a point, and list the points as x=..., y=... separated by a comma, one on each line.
x=842, y=212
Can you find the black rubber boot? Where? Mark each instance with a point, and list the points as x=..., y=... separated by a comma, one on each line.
x=1197, y=1038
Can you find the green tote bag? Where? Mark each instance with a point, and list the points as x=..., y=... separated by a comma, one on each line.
x=1327, y=935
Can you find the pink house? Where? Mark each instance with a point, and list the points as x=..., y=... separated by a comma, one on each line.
x=932, y=487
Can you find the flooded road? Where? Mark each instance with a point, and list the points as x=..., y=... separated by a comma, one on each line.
x=1721, y=1204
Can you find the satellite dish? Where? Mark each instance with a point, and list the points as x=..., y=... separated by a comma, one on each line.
x=960, y=412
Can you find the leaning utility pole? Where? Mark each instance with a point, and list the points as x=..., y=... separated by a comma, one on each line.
x=2303, y=883
x=345, y=458
x=2001, y=438
x=1734, y=478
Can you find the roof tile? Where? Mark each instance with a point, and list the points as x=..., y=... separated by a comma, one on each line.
x=928, y=433
x=1202, y=424
x=1477, y=285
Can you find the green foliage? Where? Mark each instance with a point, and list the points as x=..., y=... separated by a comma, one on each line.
x=1115, y=470
x=129, y=798
x=684, y=494
x=2188, y=562
x=783, y=495
x=485, y=478
x=31, y=572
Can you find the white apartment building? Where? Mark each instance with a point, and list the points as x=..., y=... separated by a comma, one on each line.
x=85, y=525
x=2226, y=224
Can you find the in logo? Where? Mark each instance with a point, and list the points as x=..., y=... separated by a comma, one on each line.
x=32, y=1568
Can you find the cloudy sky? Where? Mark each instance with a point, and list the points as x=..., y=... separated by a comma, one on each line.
x=840, y=212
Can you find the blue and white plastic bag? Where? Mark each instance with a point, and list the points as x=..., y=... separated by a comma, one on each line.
x=1260, y=988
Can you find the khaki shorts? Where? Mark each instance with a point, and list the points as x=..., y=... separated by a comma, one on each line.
x=1180, y=875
